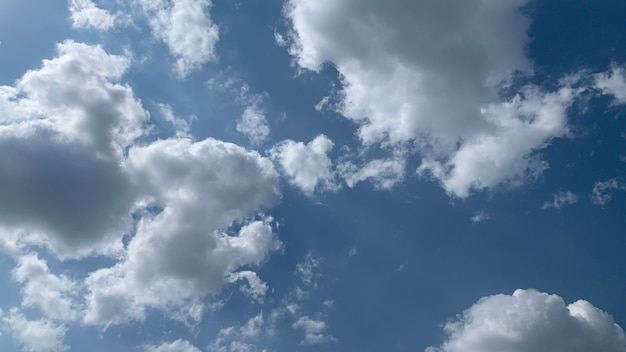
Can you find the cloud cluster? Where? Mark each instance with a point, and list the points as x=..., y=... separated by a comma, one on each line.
x=529, y=320
x=432, y=74
x=180, y=217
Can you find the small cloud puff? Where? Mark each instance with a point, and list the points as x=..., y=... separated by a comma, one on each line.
x=561, y=199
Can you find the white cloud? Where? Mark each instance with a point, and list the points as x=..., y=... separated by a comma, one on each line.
x=85, y=14
x=176, y=346
x=252, y=122
x=306, y=166
x=561, y=199
x=254, y=125
x=256, y=288
x=431, y=74
x=35, y=335
x=185, y=26
x=181, y=254
x=613, y=83
x=307, y=270
x=383, y=173
x=73, y=178
x=600, y=195
x=64, y=128
x=314, y=330
x=507, y=150
x=479, y=217
x=242, y=338
x=532, y=321
x=182, y=127
x=52, y=294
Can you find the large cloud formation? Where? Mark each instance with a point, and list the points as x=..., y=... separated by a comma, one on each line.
x=529, y=320
x=78, y=177
x=431, y=74
x=63, y=130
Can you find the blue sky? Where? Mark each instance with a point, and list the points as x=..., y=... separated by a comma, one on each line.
x=315, y=175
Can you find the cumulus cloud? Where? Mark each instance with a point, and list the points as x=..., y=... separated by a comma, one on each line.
x=383, y=173
x=181, y=253
x=520, y=128
x=52, y=294
x=176, y=346
x=253, y=124
x=74, y=178
x=529, y=320
x=306, y=166
x=64, y=128
x=35, y=335
x=432, y=74
x=185, y=26
x=85, y=14
x=561, y=199
x=600, y=194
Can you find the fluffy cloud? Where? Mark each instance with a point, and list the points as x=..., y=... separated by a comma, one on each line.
x=479, y=217
x=35, y=335
x=242, y=338
x=506, y=151
x=63, y=129
x=314, y=330
x=53, y=295
x=600, y=195
x=185, y=26
x=180, y=253
x=383, y=173
x=85, y=14
x=561, y=199
x=176, y=346
x=532, y=321
x=256, y=288
x=307, y=166
x=432, y=74
x=74, y=178
x=253, y=124
x=613, y=83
